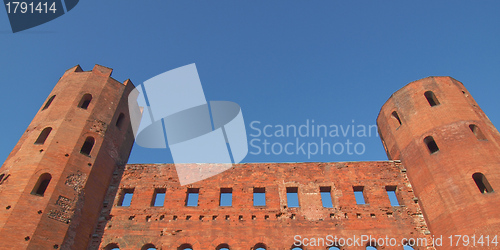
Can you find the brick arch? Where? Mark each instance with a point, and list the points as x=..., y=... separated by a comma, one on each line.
x=118, y=241
x=187, y=240
x=262, y=240
x=224, y=239
x=150, y=241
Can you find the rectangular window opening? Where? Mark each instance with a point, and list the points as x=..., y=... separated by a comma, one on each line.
x=192, y=197
x=358, y=194
x=259, y=197
x=391, y=193
x=326, y=196
x=159, y=197
x=126, y=198
x=226, y=197
x=292, y=196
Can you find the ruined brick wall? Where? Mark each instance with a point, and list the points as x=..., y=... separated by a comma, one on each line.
x=451, y=150
x=243, y=225
x=50, y=192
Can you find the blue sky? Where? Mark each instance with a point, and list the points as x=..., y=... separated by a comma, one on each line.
x=283, y=62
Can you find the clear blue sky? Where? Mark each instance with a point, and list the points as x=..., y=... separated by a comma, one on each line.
x=283, y=62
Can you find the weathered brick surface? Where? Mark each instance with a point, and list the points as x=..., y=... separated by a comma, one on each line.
x=451, y=201
x=242, y=225
x=65, y=216
x=80, y=208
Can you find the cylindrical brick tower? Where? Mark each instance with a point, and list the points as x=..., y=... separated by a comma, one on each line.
x=53, y=183
x=452, y=155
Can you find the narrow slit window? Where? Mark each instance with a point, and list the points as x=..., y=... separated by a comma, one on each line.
x=391, y=193
x=159, y=197
x=87, y=146
x=431, y=98
x=431, y=144
x=119, y=121
x=359, y=195
x=477, y=132
x=43, y=136
x=47, y=104
x=326, y=196
x=192, y=197
x=226, y=197
x=395, y=119
x=42, y=184
x=126, y=198
x=85, y=101
x=482, y=183
x=259, y=196
x=292, y=196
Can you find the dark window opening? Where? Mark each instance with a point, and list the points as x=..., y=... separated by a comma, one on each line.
x=260, y=246
x=42, y=184
x=391, y=193
x=477, y=132
x=148, y=247
x=259, y=196
x=395, y=118
x=126, y=198
x=358, y=195
x=226, y=197
x=222, y=247
x=326, y=196
x=431, y=98
x=112, y=246
x=87, y=146
x=85, y=101
x=482, y=183
x=159, y=197
x=47, y=104
x=431, y=144
x=43, y=136
x=185, y=247
x=192, y=197
x=119, y=121
x=292, y=196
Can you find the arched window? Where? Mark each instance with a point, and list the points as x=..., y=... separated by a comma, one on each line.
x=431, y=144
x=148, y=247
x=371, y=246
x=431, y=98
x=333, y=248
x=85, y=101
x=395, y=119
x=119, y=121
x=185, y=247
x=222, y=247
x=407, y=247
x=43, y=136
x=47, y=104
x=87, y=146
x=260, y=246
x=41, y=184
x=482, y=183
x=477, y=132
x=296, y=248
x=112, y=246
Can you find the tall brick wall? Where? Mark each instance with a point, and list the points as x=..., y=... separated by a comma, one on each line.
x=243, y=225
x=63, y=215
x=467, y=144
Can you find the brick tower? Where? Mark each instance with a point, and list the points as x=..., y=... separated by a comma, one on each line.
x=54, y=181
x=451, y=152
